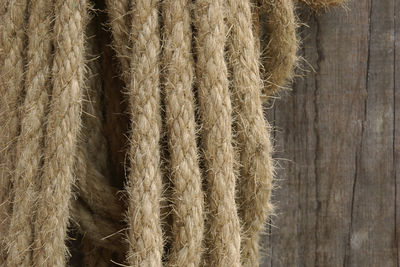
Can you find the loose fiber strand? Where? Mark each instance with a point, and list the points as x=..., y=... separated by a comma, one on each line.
x=12, y=37
x=187, y=198
x=223, y=229
x=30, y=141
x=253, y=142
x=144, y=182
x=63, y=125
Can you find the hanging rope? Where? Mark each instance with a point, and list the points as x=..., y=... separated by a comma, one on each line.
x=195, y=73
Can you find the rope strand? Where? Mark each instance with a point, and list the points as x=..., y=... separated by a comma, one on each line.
x=253, y=142
x=63, y=125
x=223, y=229
x=12, y=39
x=144, y=182
x=29, y=147
x=187, y=195
x=279, y=56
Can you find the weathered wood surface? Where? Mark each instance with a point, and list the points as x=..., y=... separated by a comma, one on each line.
x=338, y=140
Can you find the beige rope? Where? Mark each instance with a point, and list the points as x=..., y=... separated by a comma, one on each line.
x=144, y=181
x=29, y=147
x=187, y=196
x=223, y=229
x=61, y=137
x=253, y=142
x=12, y=41
x=279, y=55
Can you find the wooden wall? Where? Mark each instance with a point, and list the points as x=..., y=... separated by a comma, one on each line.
x=337, y=138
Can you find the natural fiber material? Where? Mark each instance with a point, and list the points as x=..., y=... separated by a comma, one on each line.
x=253, y=144
x=63, y=124
x=222, y=223
x=30, y=141
x=187, y=197
x=11, y=81
x=144, y=182
x=172, y=91
x=279, y=53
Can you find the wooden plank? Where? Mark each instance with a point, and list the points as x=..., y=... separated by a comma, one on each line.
x=372, y=233
x=396, y=143
x=337, y=196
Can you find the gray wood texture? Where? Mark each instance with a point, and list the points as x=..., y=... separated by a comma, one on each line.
x=337, y=139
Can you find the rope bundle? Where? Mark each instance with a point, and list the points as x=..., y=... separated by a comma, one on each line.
x=192, y=77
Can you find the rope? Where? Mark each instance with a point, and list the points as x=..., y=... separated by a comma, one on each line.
x=187, y=196
x=63, y=124
x=223, y=229
x=279, y=55
x=12, y=40
x=30, y=141
x=253, y=142
x=144, y=180
x=199, y=170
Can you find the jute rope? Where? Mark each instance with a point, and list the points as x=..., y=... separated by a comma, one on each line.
x=187, y=198
x=253, y=142
x=30, y=141
x=11, y=80
x=199, y=171
x=144, y=182
x=63, y=123
x=223, y=229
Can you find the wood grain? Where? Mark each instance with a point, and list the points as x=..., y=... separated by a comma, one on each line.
x=337, y=138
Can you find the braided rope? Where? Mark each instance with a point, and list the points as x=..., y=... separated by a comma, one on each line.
x=144, y=181
x=29, y=147
x=11, y=84
x=187, y=197
x=253, y=142
x=223, y=229
x=63, y=124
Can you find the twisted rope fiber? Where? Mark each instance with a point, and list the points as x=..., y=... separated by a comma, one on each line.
x=29, y=146
x=144, y=181
x=11, y=81
x=253, y=142
x=63, y=124
x=223, y=228
x=187, y=198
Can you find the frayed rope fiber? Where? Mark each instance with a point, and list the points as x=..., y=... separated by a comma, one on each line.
x=177, y=88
